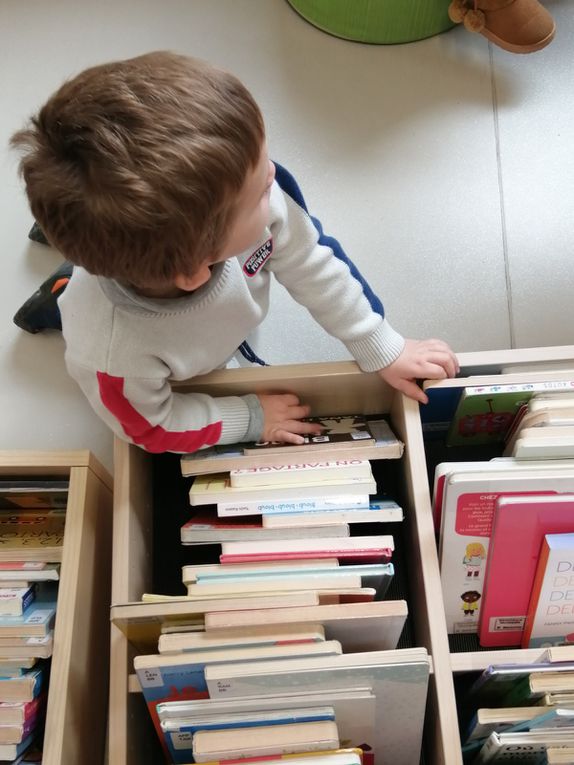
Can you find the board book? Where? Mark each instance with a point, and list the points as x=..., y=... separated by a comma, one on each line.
x=400, y=688
x=519, y=526
x=468, y=512
x=174, y=643
x=375, y=548
x=350, y=430
x=191, y=573
x=216, y=488
x=300, y=473
x=207, y=527
x=357, y=626
x=550, y=616
x=379, y=511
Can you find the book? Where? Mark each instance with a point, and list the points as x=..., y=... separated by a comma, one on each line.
x=398, y=681
x=191, y=573
x=12, y=751
x=375, y=548
x=544, y=446
x=170, y=678
x=14, y=601
x=550, y=615
x=357, y=626
x=36, y=621
x=519, y=525
x=330, y=757
x=238, y=586
x=551, y=682
x=179, y=732
x=21, y=571
x=27, y=647
x=379, y=511
x=216, y=488
x=299, y=473
x=141, y=622
x=18, y=712
x=558, y=654
x=526, y=747
x=30, y=535
x=221, y=458
x=468, y=511
x=33, y=494
x=497, y=681
x=377, y=576
x=354, y=709
x=266, y=740
x=487, y=721
x=207, y=527
x=15, y=667
x=351, y=430
x=279, y=506
x=293, y=634
x=24, y=688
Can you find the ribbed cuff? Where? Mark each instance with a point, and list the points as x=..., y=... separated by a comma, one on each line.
x=235, y=419
x=379, y=349
x=255, y=430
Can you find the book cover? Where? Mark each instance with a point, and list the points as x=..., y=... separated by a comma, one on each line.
x=357, y=626
x=300, y=473
x=519, y=526
x=265, y=741
x=279, y=506
x=379, y=511
x=400, y=689
x=216, y=488
x=485, y=413
x=207, y=526
x=468, y=511
x=350, y=430
x=223, y=587
x=550, y=615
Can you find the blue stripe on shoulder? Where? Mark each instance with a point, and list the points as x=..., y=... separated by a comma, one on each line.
x=290, y=187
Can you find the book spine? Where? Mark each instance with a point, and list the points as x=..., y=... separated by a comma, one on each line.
x=376, y=556
x=267, y=507
x=300, y=472
x=535, y=595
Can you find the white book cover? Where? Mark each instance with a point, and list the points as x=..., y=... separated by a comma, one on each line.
x=300, y=473
x=400, y=689
x=527, y=747
x=216, y=488
x=468, y=511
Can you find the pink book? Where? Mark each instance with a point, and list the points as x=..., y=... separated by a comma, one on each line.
x=519, y=526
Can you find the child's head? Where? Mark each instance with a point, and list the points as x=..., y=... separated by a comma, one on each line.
x=137, y=170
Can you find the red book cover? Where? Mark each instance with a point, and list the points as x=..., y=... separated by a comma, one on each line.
x=519, y=526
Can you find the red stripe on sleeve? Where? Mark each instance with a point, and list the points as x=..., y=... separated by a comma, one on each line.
x=153, y=438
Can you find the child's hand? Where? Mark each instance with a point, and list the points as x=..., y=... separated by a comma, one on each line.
x=281, y=419
x=420, y=360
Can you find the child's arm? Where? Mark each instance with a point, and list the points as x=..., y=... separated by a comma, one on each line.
x=320, y=276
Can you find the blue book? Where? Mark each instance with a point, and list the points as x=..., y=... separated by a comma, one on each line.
x=36, y=621
x=179, y=733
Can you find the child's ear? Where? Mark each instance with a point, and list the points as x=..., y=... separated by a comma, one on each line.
x=189, y=283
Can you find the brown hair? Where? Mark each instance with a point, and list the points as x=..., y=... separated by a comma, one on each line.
x=132, y=168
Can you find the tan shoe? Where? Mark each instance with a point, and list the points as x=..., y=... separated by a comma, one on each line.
x=518, y=26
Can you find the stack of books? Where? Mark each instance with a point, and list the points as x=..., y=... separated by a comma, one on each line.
x=519, y=712
x=32, y=517
x=287, y=632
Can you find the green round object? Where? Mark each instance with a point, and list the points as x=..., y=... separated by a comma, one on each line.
x=384, y=22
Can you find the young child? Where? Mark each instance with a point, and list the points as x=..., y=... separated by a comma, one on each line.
x=151, y=175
